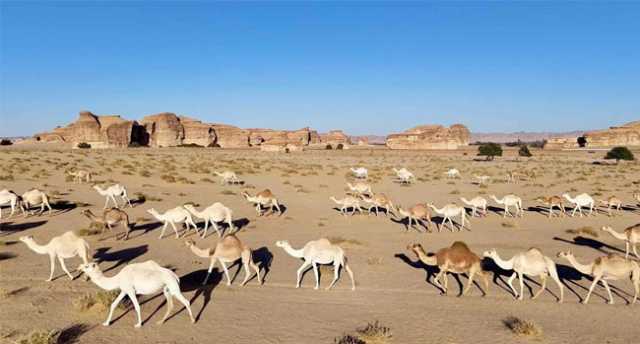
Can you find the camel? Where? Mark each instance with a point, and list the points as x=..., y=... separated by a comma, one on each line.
x=417, y=213
x=476, y=203
x=449, y=211
x=457, y=259
x=320, y=251
x=360, y=172
x=173, y=216
x=514, y=176
x=510, y=201
x=110, y=217
x=111, y=192
x=10, y=198
x=404, y=175
x=631, y=236
x=531, y=263
x=65, y=246
x=346, y=203
x=482, y=180
x=453, y=173
x=581, y=200
x=217, y=212
x=228, y=177
x=36, y=197
x=602, y=269
x=636, y=196
x=378, y=200
x=228, y=250
x=360, y=188
x=264, y=198
x=610, y=203
x=144, y=278
x=553, y=201
x=80, y=175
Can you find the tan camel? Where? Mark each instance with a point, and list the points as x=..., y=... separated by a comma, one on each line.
x=378, y=200
x=264, y=198
x=611, y=203
x=80, y=175
x=450, y=211
x=315, y=252
x=228, y=250
x=228, y=177
x=531, y=263
x=110, y=217
x=10, y=198
x=145, y=278
x=515, y=176
x=36, y=197
x=602, y=269
x=360, y=188
x=476, y=203
x=553, y=201
x=65, y=246
x=417, y=213
x=346, y=203
x=457, y=259
x=631, y=237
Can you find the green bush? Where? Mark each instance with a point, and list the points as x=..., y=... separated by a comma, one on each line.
x=84, y=145
x=524, y=151
x=5, y=142
x=340, y=146
x=328, y=147
x=619, y=153
x=490, y=150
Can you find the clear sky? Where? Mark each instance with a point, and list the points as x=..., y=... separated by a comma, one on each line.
x=367, y=68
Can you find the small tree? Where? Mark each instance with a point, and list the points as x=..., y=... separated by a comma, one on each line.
x=5, y=142
x=84, y=145
x=524, y=151
x=582, y=141
x=328, y=147
x=619, y=153
x=490, y=150
x=340, y=146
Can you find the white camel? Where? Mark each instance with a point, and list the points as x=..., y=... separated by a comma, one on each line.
x=346, y=203
x=449, y=211
x=36, y=197
x=531, y=263
x=111, y=192
x=80, y=175
x=264, y=198
x=315, y=252
x=65, y=246
x=173, y=216
x=227, y=177
x=581, y=200
x=13, y=200
x=482, y=180
x=217, y=212
x=476, y=203
x=453, y=173
x=360, y=172
x=360, y=188
x=145, y=278
x=404, y=175
x=510, y=201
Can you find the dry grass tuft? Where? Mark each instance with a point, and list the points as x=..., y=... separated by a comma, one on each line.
x=586, y=230
x=336, y=240
x=372, y=333
x=522, y=327
x=88, y=231
x=509, y=224
x=98, y=302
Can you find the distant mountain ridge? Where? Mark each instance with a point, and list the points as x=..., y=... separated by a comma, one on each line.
x=522, y=136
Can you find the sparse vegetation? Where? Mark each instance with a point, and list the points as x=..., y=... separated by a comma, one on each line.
x=372, y=333
x=583, y=231
x=490, y=150
x=83, y=145
x=522, y=327
x=524, y=151
x=619, y=153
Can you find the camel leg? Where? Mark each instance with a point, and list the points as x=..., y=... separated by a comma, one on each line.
x=175, y=229
x=166, y=223
x=64, y=268
x=635, y=251
x=185, y=302
x=136, y=306
x=626, y=253
x=606, y=286
x=542, y=287
x=113, y=198
x=336, y=274
x=215, y=227
x=302, y=269
x=510, y=282
x=211, y=264
x=169, y=298
x=106, y=202
x=593, y=285
x=246, y=260
x=573, y=213
x=550, y=211
x=52, y=260
x=469, y=283
x=113, y=307
x=521, y=279
x=226, y=272
x=315, y=272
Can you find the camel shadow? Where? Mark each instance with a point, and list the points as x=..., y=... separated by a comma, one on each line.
x=263, y=257
x=595, y=244
x=405, y=223
x=9, y=228
x=71, y=334
x=541, y=210
x=62, y=207
x=120, y=257
x=7, y=255
x=238, y=224
x=138, y=201
x=495, y=210
x=430, y=270
x=348, y=211
x=145, y=228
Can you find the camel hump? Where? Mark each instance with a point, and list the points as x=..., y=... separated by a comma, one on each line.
x=460, y=245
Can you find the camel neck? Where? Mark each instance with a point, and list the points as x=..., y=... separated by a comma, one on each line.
x=583, y=268
x=293, y=252
x=617, y=235
x=106, y=283
x=503, y=264
x=40, y=249
x=202, y=253
x=428, y=260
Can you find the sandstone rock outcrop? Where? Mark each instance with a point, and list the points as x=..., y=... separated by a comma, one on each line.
x=98, y=131
x=624, y=135
x=430, y=137
x=229, y=136
x=335, y=137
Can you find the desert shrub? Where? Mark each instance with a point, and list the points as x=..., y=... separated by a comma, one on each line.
x=373, y=333
x=92, y=230
x=619, y=153
x=490, y=150
x=328, y=147
x=340, y=146
x=41, y=337
x=522, y=327
x=84, y=145
x=190, y=145
x=524, y=151
x=5, y=142
x=582, y=141
x=98, y=301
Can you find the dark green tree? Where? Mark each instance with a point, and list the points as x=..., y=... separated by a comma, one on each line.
x=524, y=151
x=619, y=153
x=490, y=150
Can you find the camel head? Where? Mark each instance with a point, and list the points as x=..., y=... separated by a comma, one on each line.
x=415, y=248
x=566, y=195
x=565, y=254
x=490, y=253
x=89, y=268
x=26, y=238
x=189, y=243
x=246, y=195
x=188, y=206
x=152, y=211
x=282, y=243
x=606, y=229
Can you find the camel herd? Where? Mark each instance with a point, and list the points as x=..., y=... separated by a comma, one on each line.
x=149, y=277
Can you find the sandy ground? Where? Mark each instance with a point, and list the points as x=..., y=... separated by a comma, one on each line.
x=391, y=286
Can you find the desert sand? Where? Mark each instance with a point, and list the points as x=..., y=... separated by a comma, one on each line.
x=391, y=286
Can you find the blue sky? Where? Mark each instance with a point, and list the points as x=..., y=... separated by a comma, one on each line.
x=367, y=68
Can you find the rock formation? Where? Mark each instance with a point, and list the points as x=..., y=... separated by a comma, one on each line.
x=98, y=131
x=624, y=135
x=335, y=137
x=430, y=137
